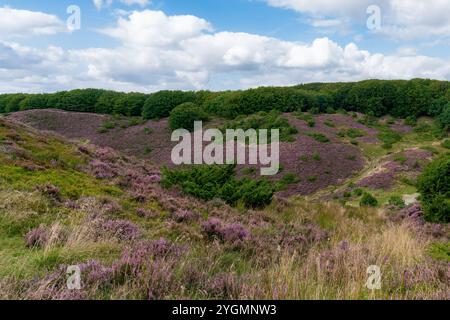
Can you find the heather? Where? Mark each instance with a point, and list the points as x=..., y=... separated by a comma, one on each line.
x=216, y=232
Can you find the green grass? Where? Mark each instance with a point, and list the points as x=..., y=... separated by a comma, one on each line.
x=440, y=251
x=72, y=184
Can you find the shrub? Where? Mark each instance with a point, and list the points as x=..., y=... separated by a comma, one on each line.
x=434, y=186
x=318, y=137
x=368, y=200
x=329, y=123
x=389, y=137
x=446, y=143
x=159, y=104
x=209, y=182
x=396, y=201
x=184, y=115
x=290, y=178
x=264, y=120
x=354, y=133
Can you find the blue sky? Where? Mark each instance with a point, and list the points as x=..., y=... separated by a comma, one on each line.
x=143, y=45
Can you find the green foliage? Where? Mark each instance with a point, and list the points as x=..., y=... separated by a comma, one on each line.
x=209, y=182
x=405, y=99
x=446, y=143
x=367, y=200
x=434, y=186
x=440, y=251
x=444, y=118
x=316, y=156
x=389, y=137
x=264, y=120
x=160, y=104
x=318, y=137
x=290, y=178
x=184, y=116
x=352, y=133
x=329, y=123
x=396, y=201
x=130, y=104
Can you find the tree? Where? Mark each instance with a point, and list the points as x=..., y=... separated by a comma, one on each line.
x=184, y=116
x=434, y=187
x=159, y=104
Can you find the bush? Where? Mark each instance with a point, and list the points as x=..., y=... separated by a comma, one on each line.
x=368, y=200
x=209, y=182
x=185, y=115
x=446, y=143
x=318, y=137
x=264, y=120
x=396, y=201
x=434, y=187
x=388, y=137
x=160, y=104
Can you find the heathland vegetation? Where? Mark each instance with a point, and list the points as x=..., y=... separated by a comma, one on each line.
x=353, y=158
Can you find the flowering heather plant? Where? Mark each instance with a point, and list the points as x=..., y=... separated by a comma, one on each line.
x=102, y=170
x=50, y=191
x=155, y=178
x=212, y=227
x=182, y=215
x=110, y=206
x=146, y=213
x=123, y=230
x=234, y=233
x=224, y=286
x=95, y=273
x=37, y=237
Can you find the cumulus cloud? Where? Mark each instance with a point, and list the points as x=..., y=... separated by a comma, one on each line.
x=404, y=19
x=191, y=55
x=21, y=23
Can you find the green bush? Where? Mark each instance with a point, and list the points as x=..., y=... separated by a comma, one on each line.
x=368, y=200
x=318, y=137
x=264, y=120
x=184, y=116
x=209, y=182
x=434, y=187
x=290, y=178
x=396, y=201
x=446, y=143
x=160, y=104
x=388, y=137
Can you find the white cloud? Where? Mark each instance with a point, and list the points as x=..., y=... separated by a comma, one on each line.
x=100, y=4
x=21, y=23
x=404, y=19
x=158, y=51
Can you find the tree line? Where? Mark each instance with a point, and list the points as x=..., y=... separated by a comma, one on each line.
x=399, y=98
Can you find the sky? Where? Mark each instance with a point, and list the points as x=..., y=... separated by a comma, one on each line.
x=151, y=45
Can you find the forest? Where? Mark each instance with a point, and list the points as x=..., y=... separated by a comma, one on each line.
x=399, y=98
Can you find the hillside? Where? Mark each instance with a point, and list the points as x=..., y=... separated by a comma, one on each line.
x=90, y=193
